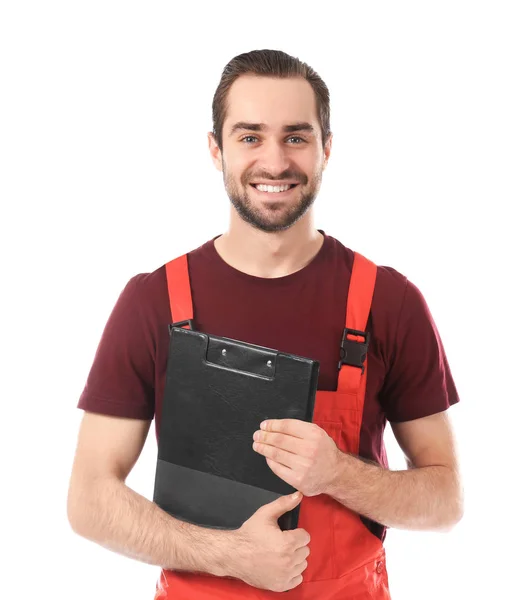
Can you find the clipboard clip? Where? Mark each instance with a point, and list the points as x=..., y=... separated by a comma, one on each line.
x=189, y=322
x=353, y=352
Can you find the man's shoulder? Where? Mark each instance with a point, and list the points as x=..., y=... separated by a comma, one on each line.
x=151, y=286
x=389, y=280
x=148, y=283
x=156, y=279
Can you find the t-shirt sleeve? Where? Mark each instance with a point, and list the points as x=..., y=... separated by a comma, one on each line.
x=419, y=382
x=121, y=378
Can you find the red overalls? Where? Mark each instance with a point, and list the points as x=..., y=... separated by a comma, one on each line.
x=347, y=561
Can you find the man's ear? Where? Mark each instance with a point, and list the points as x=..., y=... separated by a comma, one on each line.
x=215, y=152
x=326, y=151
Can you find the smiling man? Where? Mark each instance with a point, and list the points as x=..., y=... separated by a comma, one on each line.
x=275, y=280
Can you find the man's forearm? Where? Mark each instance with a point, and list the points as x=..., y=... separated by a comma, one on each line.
x=120, y=519
x=426, y=498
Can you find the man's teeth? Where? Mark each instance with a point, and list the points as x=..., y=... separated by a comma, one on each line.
x=272, y=188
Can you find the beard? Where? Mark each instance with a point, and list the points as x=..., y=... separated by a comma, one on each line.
x=273, y=216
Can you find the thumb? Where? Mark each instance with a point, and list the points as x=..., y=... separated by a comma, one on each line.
x=281, y=505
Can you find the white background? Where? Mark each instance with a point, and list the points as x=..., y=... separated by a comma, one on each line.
x=105, y=173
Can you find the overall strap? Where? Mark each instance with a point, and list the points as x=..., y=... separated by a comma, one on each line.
x=178, y=286
x=354, y=344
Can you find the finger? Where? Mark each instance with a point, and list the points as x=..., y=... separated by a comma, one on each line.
x=301, y=554
x=293, y=427
x=288, y=459
x=285, y=442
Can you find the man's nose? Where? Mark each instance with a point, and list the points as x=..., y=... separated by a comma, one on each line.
x=275, y=158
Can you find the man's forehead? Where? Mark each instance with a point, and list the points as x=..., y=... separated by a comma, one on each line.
x=269, y=104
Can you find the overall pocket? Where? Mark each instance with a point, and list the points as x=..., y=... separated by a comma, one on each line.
x=317, y=517
x=349, y=542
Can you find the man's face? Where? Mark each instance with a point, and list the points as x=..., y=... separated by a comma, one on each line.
x=261, y=145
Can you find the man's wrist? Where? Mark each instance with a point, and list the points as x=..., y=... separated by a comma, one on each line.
x=339, y=473
x=223, y=564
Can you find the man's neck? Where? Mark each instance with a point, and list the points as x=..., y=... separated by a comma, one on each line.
x=269, y=255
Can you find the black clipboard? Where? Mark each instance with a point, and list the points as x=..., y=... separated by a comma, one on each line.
x=217, y=392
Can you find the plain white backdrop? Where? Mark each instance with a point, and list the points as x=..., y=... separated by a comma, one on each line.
x=105, y=173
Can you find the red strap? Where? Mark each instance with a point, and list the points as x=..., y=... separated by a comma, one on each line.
x=178, y=286
x=359, y=302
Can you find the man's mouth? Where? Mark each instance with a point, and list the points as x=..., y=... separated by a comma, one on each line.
x=272, y=190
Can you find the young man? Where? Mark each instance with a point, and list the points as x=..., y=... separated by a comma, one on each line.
x=275, y=280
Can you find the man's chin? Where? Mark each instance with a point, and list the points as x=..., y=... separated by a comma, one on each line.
x=268, y=214
x=266, y=222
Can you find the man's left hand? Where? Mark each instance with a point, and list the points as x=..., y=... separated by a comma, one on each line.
x=300, y=453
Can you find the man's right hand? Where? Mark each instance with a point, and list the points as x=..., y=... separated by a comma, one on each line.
x=267, y=557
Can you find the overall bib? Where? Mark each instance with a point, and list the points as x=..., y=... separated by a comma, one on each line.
x=346, y=560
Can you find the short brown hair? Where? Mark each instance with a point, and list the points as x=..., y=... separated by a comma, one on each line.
x=268, y=63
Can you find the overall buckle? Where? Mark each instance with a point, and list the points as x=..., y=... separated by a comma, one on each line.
x=352, y=352
x=189, y=322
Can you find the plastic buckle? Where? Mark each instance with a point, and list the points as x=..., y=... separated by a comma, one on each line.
x=352, y=352
x=189, y=322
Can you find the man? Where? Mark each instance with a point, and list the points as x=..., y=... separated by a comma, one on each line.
x=275, y=280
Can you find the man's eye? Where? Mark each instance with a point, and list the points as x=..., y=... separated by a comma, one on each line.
x=253, y=137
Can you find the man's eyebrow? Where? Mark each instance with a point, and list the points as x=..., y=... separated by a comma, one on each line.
x=243, y=125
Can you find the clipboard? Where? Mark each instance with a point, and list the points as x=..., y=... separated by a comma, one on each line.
x=217, y=392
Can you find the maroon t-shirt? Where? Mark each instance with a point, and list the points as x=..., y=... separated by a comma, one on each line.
x=302, y=313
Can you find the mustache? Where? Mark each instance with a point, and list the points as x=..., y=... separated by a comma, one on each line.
x=286, y=177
